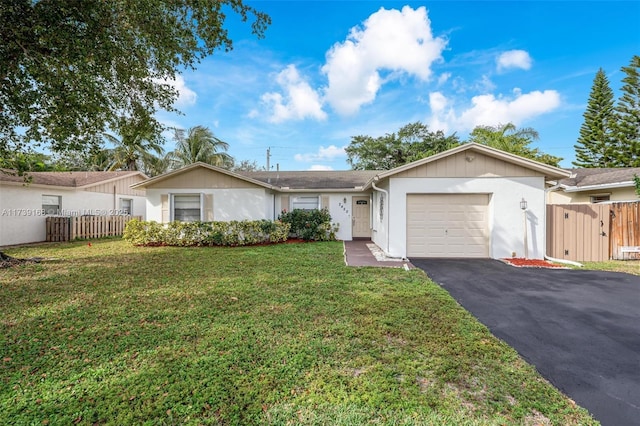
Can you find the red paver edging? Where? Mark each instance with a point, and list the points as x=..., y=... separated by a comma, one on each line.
x=520, y=262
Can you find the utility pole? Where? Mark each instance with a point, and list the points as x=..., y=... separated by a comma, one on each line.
x=268, y=158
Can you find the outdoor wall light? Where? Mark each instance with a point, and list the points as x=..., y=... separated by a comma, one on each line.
x=523, y=204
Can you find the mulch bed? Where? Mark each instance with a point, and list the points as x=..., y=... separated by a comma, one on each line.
x=520, y=262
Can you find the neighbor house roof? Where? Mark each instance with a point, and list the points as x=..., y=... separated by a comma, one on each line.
x=346, y=179
x=599, y=178
x=68, y=179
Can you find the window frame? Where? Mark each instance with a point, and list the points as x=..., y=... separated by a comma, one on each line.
x=600, y=198
x=295, y=199
x=59, y=205
x=172, y=210
x=121, y=208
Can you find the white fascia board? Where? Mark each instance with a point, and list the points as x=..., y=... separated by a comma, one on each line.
x=322, y=190
x=597, y=187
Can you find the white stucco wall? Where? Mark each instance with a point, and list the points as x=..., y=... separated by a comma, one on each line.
x=506, y=222
x=228, y=204
x=379, y=231
x=21, y=218
x=340, y=206
x=339, y=209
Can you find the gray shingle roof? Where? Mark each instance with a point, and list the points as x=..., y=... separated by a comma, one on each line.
x=345, y=179
x=600, y=176
x=68, y=179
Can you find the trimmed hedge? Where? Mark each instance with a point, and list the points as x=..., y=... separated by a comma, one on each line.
x=310, y=224
x=234, y=233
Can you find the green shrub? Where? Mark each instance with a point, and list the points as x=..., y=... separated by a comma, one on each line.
x=235, y=233
x=310, y=224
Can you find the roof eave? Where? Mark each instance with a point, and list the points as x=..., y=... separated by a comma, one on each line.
x=585, y=188
x=323, y=190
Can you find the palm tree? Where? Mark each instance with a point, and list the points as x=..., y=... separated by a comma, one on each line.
x=138, y=138
x=508, y=138
x=154, y=165
x=199, y=144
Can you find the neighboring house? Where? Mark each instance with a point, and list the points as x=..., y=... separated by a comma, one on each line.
x=586, y=186
x=465, y=202
x=24, y=206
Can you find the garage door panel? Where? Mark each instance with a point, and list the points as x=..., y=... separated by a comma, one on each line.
x=447, y=225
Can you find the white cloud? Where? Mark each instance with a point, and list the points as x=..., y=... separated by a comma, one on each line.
x=514, y=59
x=299, y=101
x=329, y=153
x=444, y=77
x=489, y=110
x=186, y=96
x=437, y=102
x=320, y=167
x=392, y=40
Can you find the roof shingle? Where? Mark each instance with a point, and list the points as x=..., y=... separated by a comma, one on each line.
x=68, y=179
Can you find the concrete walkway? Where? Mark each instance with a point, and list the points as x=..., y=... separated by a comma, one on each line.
x=366, y=253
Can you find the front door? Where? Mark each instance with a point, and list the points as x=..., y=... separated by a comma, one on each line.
x=360, y=223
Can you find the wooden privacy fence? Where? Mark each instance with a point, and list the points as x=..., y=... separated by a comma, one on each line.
x=594, y=232
x=625, y=231
x=61, y=228
x=578, y=232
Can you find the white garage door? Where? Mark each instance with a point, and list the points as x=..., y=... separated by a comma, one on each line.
x=447, y=225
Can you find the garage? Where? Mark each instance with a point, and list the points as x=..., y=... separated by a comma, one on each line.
x=448, y=225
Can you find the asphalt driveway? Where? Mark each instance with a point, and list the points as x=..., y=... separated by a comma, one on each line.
x=581, y=329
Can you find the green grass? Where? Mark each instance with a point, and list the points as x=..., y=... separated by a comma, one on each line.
x=627, y=266
x=275, y=335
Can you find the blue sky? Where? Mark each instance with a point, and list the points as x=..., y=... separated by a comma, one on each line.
x=330, y=70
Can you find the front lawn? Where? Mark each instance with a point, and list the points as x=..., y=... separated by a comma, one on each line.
x=627, y=266
x=108, y=333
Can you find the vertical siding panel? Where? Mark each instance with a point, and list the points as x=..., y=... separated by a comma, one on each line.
x=550, y=249
x=582, y=233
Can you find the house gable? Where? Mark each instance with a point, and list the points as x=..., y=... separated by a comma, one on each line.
x=201, y=178
x=470, y=165
x=472, y=160
x=120, y=186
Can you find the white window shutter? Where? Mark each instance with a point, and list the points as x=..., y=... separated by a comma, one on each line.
x=325, y=202
x=208, y=208
x=284, y=203
x=164, y=202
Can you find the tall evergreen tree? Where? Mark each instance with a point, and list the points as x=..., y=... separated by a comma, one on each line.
x=596, y=146
x=627, y=129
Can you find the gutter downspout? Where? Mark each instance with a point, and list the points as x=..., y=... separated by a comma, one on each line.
x=384, y=191
x=553, y=259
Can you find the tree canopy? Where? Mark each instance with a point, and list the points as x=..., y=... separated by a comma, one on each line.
x=596, y=145
x=610, y=134
x=69, y=70
x=508, y=138
x=199, y=144
x=412, y=142
x=627, y=110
